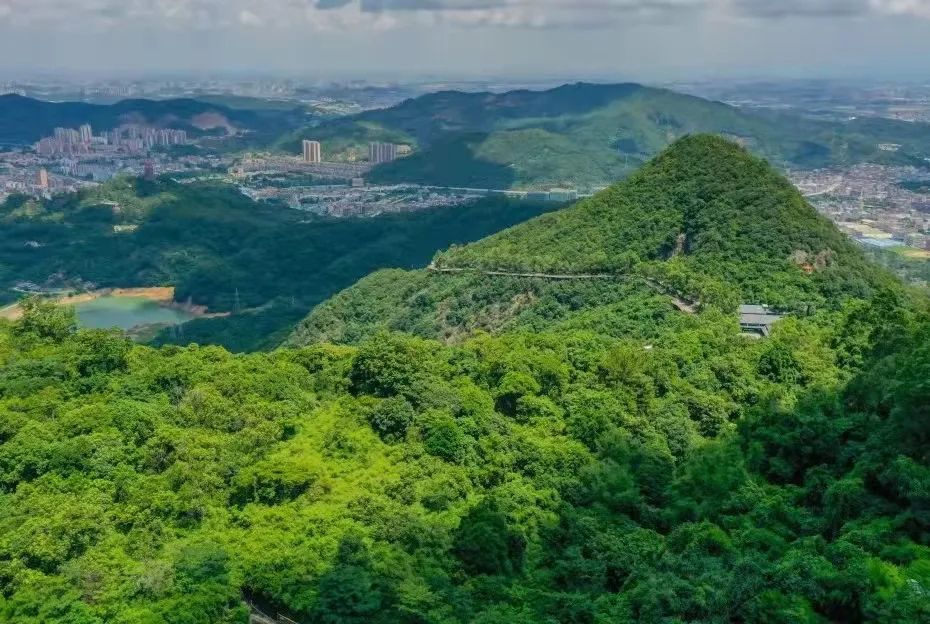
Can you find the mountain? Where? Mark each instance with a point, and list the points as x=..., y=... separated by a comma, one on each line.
x=711, y=222
x=587, y=135
x=603, y=456
x=25, y=120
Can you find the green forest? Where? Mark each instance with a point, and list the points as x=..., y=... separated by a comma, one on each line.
x=219, y=248
x=484, y=447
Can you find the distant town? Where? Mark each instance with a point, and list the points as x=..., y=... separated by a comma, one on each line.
x=879, y=206
x=75, y=158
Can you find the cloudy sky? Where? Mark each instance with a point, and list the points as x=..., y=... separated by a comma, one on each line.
x=622, y=38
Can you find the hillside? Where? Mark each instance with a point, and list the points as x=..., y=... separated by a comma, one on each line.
x=707, y=219
x=224, y=251
x=555, y=478
x=587, y=135
x=25, y=120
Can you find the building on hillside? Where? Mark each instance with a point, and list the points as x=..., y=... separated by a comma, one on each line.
x=379, y=153
x=757, y=319
x=87, y=133
x=149, y=171
x=42, y=179
x=313, y=152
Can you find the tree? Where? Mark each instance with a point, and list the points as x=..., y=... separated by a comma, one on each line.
x=348, y=593
x=391, y=418
x=45, y=319
x=485, y=544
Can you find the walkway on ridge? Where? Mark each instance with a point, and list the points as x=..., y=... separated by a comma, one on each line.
x=678, y=300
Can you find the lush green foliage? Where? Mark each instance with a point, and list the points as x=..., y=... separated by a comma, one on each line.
x=588, y=135
x=218, y=248
x=527, y=478
x=603, y=459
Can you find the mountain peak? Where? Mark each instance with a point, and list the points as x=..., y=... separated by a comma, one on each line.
x=699, y=187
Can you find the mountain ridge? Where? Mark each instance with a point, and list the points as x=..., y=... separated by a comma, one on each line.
x=24, y=120
x=586, y=134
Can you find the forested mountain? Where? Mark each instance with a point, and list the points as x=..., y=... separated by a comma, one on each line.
x=604, y=458
x=588, y=135
x=25, y=120
x=707, y=219
x=267, y=264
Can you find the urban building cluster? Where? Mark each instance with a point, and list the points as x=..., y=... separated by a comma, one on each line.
x=27, y=172
x=349, y=201
x=129, y=138
x=378, y=153
x=252, y=165
x=877, y=205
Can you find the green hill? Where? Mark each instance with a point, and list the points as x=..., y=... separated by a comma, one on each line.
x=705, y=218
x=26, y=120
x=587, y=135
x=603, y=458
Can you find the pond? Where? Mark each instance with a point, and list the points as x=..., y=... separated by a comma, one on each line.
x=127, y=313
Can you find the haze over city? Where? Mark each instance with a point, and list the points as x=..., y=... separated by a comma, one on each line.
x=642, y=39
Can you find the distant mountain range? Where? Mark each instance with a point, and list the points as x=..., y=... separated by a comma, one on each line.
x=589, y=135
x=26, y=120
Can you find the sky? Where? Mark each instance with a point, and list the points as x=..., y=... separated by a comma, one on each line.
x=642, y=39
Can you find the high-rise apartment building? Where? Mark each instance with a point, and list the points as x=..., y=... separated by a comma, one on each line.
x=42, y=178
x=313, y=152
x=87, y=133
x=67, y=136
x=381, y=153
x=48, y=146
x=149, y=170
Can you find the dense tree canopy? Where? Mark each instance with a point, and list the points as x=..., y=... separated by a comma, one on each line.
x=532, y=477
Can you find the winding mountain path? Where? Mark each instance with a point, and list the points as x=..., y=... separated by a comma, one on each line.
x=678, y=300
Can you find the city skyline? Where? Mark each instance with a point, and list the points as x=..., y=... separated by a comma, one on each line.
x=638, y=39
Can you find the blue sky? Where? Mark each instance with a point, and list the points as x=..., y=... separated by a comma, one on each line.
x=623, y=38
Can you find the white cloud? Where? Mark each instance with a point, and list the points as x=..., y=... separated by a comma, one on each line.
x=247, y=18
x=917, y=8
x=386, y=14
